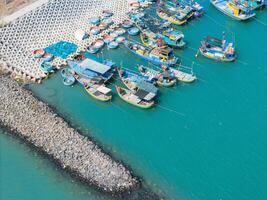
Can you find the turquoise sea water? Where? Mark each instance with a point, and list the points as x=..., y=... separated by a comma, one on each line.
x=203, y=141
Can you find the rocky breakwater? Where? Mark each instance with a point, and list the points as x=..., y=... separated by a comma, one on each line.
x=39, y=125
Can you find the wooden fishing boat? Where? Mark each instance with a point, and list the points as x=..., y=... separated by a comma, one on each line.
x=94, y=87
x=157, y=55
x=95, y=30
x=162, y=79
x=182, y=75
x=233, y=10
x=134, y=82
x=216, y=49
x=134, y=98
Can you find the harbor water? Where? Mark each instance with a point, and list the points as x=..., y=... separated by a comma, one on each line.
x=202, y=141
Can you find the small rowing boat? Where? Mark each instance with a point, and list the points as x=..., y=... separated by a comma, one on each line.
x=68, y=78
x=234, y=10
x=113, y=45
x=217, y=49
x=165, y=79
x=135, y=98
x=133, y=31
x=127, y=24
x=157, y=55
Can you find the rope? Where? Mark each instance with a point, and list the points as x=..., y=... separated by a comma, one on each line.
x=261, y=22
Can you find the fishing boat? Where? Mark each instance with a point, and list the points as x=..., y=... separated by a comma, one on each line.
x=217, y=49
x=90, y=68
x=180, y=74
x=133, y=31
x=173, y=17
x=46, y=67
x=138, y=98
x=157, y=55
x=94, y=87
x=99, y=92
x=135, y=82
x=165, y=79
x=173, y=38
x=127, y=24
x=234, y=10
x=113, y=45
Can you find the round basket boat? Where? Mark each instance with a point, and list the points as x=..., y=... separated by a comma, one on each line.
x=120, y=39
x=93, y=49
x=113, y=45
x=107, y=13
x=48, y=57
x=102, y=26
x=95, y=30
x=120, y=31
x=107, y=21
x=95, y=20
x=127, y=24
x=114, y=34
x=133, y=31
x=108, y=38
x=38, y=53
x=99, y=43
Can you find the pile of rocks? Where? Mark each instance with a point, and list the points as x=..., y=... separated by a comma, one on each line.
x=35, y=122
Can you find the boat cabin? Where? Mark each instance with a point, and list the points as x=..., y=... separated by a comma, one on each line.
x=162, y=53
x=91, y=68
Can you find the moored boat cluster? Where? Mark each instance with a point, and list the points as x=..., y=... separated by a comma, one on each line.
x=159, y=38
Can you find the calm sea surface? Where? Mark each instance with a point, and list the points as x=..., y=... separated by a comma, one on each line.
x=203, y=141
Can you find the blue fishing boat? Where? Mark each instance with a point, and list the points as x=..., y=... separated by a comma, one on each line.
x=90, y=68
x=113, y=45
x=217, y=49
x=155, y=55
x=133, y=31
x=173, y=38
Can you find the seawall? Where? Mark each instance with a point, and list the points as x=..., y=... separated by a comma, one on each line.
x=38, y=124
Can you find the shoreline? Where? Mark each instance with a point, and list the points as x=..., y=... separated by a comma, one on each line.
x=138, y=191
